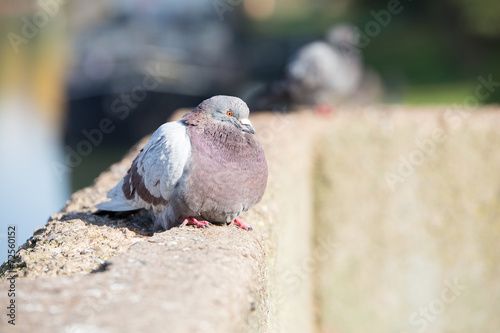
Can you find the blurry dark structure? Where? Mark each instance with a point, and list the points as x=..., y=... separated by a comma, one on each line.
x=135, y=62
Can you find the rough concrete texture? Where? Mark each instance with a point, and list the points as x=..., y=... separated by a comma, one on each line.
x=378, y=219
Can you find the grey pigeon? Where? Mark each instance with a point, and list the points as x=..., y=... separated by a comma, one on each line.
x=326, y=72
x=207, y=167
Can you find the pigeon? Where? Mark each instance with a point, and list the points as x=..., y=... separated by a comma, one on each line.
x=207, y=167
x=324, y=73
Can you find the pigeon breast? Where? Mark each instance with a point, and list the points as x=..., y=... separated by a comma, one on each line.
x=227, y=172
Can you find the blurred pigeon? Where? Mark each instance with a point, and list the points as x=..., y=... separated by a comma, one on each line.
x=206, y=167
x=326, y=72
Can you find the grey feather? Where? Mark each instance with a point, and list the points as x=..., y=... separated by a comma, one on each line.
x=331, y=71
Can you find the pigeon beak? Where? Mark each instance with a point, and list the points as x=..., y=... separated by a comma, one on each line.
x=247, y=126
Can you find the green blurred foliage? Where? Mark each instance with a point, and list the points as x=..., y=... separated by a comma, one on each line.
x=438, y=44
x=481, y=16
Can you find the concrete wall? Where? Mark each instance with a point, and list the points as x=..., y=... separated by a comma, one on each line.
x=411, y=199
x=380, y=219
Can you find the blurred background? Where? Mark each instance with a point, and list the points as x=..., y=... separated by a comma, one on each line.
x=81, y=81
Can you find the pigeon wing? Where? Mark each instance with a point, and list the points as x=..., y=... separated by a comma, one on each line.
x=152, y=178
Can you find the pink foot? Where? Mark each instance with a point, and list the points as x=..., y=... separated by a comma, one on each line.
x=239, y=222
x=192, y=220
x=323, y=110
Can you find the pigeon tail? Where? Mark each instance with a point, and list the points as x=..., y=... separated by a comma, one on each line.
x=118, y=203
x=115, y=206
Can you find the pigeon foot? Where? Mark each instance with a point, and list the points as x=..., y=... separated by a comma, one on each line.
x=193, y=221
x=323, y=110
x=239, y=222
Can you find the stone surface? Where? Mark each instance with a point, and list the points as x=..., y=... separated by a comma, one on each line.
x=379, y=219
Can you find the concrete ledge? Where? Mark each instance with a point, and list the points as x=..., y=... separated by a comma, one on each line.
x=338, y=245
x=103, y=274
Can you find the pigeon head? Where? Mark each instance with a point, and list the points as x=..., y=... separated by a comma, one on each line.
x=343, y=34
x=228, y=109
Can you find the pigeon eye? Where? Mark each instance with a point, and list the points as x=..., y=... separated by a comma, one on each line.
x=229, y=113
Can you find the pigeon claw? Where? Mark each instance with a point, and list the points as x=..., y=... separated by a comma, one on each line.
x=239, y=222
x=193, y=221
